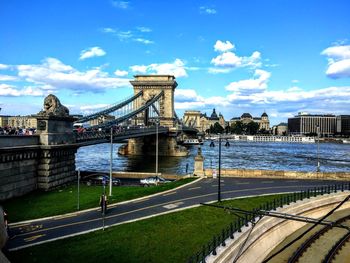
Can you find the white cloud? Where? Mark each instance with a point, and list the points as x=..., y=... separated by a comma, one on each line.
x=3, y=66
x=124, y=35
x=207, y=10
x=258, y=83
x=229, y=60
x=120, y=4
x=12, y=91
x=144, y=29
x=120, y=73
x=223, y=46
x=143, y=41
x=176, y=68
x=219, y=70
x=93, y=107
x=7, y=78
x=92, y=52
x=108, y=30
x=338, y=61
x=54, y=73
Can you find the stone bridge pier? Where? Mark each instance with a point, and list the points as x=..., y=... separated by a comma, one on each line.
x=56, y=162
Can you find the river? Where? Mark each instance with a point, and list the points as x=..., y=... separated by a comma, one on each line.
x=241, y=155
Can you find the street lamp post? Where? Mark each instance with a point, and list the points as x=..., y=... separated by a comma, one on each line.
x=111, y=164
x=219, y=176
x=318, y=148
x=156, y=147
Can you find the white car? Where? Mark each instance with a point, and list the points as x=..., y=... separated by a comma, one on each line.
x=154, y=180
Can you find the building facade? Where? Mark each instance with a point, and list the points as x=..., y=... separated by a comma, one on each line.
x=201, y=121
x=280, y=129
x=343, y=125
x=18, y=121
x=304, y=124
x=263, y=121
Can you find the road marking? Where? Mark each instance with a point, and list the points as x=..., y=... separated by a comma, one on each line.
x=160, y=205
x=193, y=188
x=267, y=182
x=172, y=206
x=138, y=201
x=19, y=226
x=243, y=183
x=216, y=185
x=169, y=193
x=292, y=181
x=64, y=216
x=32, y=238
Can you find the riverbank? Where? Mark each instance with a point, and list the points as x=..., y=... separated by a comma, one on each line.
x=273, y=174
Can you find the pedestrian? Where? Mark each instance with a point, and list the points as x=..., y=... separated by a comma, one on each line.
x=103, y=203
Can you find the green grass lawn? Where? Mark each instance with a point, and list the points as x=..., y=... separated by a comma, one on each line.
x=168, y=238
x=64, y=200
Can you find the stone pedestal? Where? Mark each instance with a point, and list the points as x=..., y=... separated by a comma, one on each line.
x=56, y=165
x=199, y=164
x=54, y=130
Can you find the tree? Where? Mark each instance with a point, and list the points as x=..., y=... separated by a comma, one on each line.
x=217, y=128
x=237, y=127
x=252, y=128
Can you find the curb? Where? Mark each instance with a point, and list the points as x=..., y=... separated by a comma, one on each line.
x=97, y=208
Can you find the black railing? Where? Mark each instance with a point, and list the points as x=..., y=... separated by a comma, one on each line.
x=235, y=226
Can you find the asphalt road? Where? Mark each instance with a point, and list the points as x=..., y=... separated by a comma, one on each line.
x=205, y=190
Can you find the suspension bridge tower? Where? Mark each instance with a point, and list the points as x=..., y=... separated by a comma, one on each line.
x=151, y=86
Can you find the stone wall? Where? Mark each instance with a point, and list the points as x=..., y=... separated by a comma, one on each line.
x=18, y=171
x=271, y=174
x=56, y=166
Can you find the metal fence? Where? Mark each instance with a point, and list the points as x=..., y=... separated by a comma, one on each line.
x=220, y=238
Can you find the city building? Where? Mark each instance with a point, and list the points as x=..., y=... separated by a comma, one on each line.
x=18, y=121
x=280, y=129
x=206, y=122
x=101, y=119
x=343, y=125
x=263, y=121
x=306, y=124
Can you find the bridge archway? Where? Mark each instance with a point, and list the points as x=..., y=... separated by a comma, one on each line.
x=152, y=85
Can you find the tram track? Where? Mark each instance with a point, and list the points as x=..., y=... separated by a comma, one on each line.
x=325, y=244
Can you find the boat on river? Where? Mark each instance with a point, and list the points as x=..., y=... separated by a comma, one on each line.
x=192, y=142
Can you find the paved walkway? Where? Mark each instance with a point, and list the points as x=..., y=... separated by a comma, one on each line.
x=206, y=190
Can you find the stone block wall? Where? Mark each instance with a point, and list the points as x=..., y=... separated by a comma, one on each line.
x=56, y=167
x=18, y=171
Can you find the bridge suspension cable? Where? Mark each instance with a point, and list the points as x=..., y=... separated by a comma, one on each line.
x=110, y=109
x=128, y=115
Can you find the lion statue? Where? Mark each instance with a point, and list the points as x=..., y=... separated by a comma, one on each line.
x=53, y=107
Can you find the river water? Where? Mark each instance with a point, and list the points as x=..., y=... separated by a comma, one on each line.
x=241, y=155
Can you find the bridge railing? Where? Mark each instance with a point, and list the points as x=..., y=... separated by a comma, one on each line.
x=220, y=238
x=120, y=131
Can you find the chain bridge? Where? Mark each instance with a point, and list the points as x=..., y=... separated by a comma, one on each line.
x=149, y=111
x=143, y=121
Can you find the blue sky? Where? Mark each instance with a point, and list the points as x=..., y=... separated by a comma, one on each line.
x=281, y=57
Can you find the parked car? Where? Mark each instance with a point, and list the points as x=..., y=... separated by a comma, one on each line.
x=153, y=180
x=99, y=180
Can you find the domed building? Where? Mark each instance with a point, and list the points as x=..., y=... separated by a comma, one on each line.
x=264, y=123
